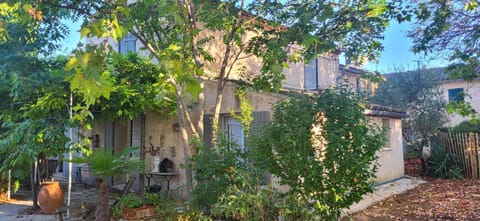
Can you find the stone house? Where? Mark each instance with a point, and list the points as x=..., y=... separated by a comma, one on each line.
x=152, y=131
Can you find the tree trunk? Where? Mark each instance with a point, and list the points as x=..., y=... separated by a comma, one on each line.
x=102, y=210
x=185, y=142
x=34, y=183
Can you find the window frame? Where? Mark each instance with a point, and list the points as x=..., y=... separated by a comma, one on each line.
x=456, y=95
x=387, y=131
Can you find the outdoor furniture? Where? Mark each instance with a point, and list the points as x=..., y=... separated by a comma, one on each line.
x=163, y=175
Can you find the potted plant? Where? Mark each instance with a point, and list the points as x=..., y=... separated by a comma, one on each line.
x=134, y=207
x=412, y=161
x=107, y=164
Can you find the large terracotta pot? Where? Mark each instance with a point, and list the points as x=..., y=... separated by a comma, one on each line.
x=50, y=197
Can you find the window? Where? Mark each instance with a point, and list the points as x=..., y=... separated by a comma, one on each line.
x=234, y=129
x=455, y=95
x=310, y=70
x=127, y=44
x=386, y=131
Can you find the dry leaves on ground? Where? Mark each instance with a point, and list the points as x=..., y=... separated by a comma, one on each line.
x=436, y=200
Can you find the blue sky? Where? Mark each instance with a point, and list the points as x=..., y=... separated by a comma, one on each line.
x=72, y=39
x=396, y=55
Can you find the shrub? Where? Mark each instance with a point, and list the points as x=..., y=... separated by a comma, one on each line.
x=213, y=172
x=247, y=200
x=229, y=186
x=443, y=165
x=324, y=148
x=466, y=127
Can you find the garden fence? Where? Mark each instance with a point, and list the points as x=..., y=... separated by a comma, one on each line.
x=465, y=148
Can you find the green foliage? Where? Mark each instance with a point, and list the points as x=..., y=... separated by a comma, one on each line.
x=443, y=165
x=324, y=148
x=466, y=127
x=214, y=171
x=33, y=110
x=229, y=185
x=139, y=85
x=129, y=201
x=245, y=116
x=105, y=164
x=163, y=208
x=464, y=109
x=417, y=93
x=247, y=201
x=34, y=116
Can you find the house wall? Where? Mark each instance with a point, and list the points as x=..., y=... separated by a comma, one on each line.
x=157, y=126
x=473, y=91
x=259, y=101
x=390, y=158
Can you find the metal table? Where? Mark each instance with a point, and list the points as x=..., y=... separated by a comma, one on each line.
x=166, y=176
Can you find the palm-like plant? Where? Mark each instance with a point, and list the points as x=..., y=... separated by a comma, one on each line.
x=106, y=164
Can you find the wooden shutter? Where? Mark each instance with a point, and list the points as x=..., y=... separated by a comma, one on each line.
x=310, y=75
x=108, y=135
x=208, y=129
x=260, y=119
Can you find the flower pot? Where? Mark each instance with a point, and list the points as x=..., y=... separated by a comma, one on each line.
x=50, y=197
x=413, y=166
x=140, y=213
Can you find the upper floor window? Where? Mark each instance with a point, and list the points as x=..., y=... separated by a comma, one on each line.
x=455, y=95
x=310, y=71
x=127, y=44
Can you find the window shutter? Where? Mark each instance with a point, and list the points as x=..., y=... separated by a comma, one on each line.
x=208, y=129
x=127, y=44
x=455, y=95
x=109, y=135
x=260, y=119
x=310, y=71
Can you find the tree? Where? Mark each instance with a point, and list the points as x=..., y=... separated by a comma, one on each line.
x=324, y=148
x=450, y=29
x=34, y=115
x=418, y=94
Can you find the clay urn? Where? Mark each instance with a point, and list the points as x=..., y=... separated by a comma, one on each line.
x=50, y=197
